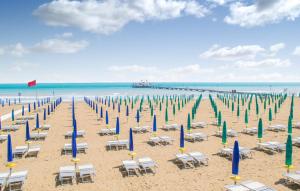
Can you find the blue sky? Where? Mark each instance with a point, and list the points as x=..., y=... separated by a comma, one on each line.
x=155, y=40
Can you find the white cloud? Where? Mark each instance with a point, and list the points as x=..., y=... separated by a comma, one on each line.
x=131, y=68
x=263, y=63
x=14, y=50
x=21, y=66
x=59, y=46
x=263, y=12
x=276, y=47
x=220, y=2
x=108, y=16
x=297, y=51
x=232, y=53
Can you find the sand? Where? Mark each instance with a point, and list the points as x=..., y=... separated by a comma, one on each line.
x=42, y=171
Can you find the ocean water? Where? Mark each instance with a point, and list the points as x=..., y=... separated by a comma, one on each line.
x=78, y=90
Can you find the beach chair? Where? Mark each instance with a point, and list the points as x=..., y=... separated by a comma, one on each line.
x=142, y=129
x=185, y=160
x=131, y=167
x=199, y=124
x=16, y=180
x=107, y=131
x=33, y=151
x=195, y=137
x=297, y=125
x=3, y=137
x=11, y=128
x=45, y=127
x=3, y=179
x=276, y=128
x=166, y=140
x=292, y=177
x=256, y=186
x=171, y=127
x=66, y=174
x=117, y=144
x=271, y=146
x=147, y=164
x=19, y=151
x=199, y=158
x=230, y=133
x=81, y=148
x=30, y=117
x=250, y=131
x=86, y=173
x=38, y=136
x=296, y=141
x=154, y=141
x=236, y=187
x=80, y=133
x=20, y=122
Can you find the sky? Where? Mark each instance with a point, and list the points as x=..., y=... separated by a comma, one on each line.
x=154, y=40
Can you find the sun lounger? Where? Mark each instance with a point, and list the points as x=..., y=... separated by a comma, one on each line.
x=147, y=164
x=244, y=152
x=230, y=133
x=81, y=148
x=297, y=125
x=117, y=144
x=250, y=131
x=271, y=146
x=199, y=158
x=30, y=117
x=195, y=137
x=292, y=177
x=11, y=128
x=277, y=128
x=171, y=127
x=38, y=136
x=66, y=174
x=3, y=179
x=236, y=187
x=3, y=137
x=111, y=131
x=80, y=133
x=256, y=186
x=200, y=124
x=296, y=141
x=131, y=167
x=20, y=122
x=166, y=140
x=16, y=180
x=142, y=129
x=185, y=160
x=33, y=151
x=154, y=141
x=86, y=173
x=45, y=127
x=19, y=151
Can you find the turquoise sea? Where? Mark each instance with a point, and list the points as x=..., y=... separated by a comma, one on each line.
x=68, y=90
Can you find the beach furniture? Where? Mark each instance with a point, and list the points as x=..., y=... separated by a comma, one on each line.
x=86, y=173
x=244, y=152
x=185, y=160
x=33, y=151
x=297, y=125
x=117, y=144
x=199, y=158
x=296, y=141
x=199, y=124
x=66, y=174
x=166, y=140
x=81, y=148
x=147, y=164
x=20, y=122
x=19, y=151
x=11, y=128
x=142, y=129
x=45, y=127
x=154, y=141
x=16, y=180
x=80, y=133
x=250, y=130
x=38, y=136
x=131, y=167
x=230, y=133
x=111, y=131
x=171, y=127
x=236, y=187
x=3, y=179
x=3, y=137
x=271, y=146
x=292, y=177
x=195, y=137
x=277, y=128
x=30, y=117
x=248, y=186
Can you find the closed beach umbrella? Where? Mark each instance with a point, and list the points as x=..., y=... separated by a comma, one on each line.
x=235, y=162
x=10, y=157
x=23, y=111
x=290, y=125
x=106, y=118
x=75, y=127
x=127, y=111
x=166, y=116
x=74, y=146
x=13, y=115
x=29, y=108
x=131, y=148
x=27, y=131
x=0, y=124
x=260, y=130
x=154, y=128
x=270, y=116
x=246, y=118
x=37, y=123
x=45, y=115
x=138, y=117
x=219, y=119
x=289, y=153
x=119, y=108
x=181, y=139
x=189, y=122
x=101, y=112
x=34, y=106
x=117, y=127
x=48, y=110
x=224, y=134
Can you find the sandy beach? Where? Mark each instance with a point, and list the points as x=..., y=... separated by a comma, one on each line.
x=42, y=171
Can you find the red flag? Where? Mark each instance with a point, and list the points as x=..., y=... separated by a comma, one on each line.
x=32, y=83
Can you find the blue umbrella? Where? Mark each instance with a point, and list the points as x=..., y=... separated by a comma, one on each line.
x=101, y=112
x=75, y=127
x=23, y=112
x=39, y=104
x=74, y=146
x=34, y=106
x=37, y=121
x=131, y=142
x=52, y=109
x=235, y=161
x=106, y=117
x=118, y=126
x=97, y=108
x=45, y=114
x=13, y=115
x=119, y=108
x=127, y=111
x=0, y=124
x=27, y=131
x=10, y=156
x=154, y=129
x=137, y=116
x=48, y=110
x=181, y=139
x=29, y=108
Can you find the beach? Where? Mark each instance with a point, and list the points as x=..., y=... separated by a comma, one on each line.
x=262, y=167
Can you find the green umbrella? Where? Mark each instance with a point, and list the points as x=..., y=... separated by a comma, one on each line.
x=219, y=119
x=178, y=106
x=257, y=110
x=166, y=116
x=224, y=134
x=290, y=125
x=232, y=107
x=238, y=111
x=246, y=118
x=189, y=122
x=289, y=153
x=275, y=109
x=270, y=116
x=151, y=111
x=160, y=107
x=260, y=130
x=174, y=110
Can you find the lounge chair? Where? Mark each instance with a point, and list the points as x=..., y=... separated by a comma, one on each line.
x=19, y=151
x=16, y=180
x=147, y=164
x=154, y=141
x=66, y=174
x=3, y=137
x=38, y=136
x=199, y=124
x=171, y=127
x=131, y=167
x=297, y=125
x=20, y=122
x=86, y=173
x=292, y=177
x=236, y=187
x=166, y=140
x=11, y=128
x=250, y=130
x=33, y=151
x=271, y=146
x=195, y=137
x=107, y=131
x=81, y=148
x=117, y=144
x=277, y=128
x=142, y=129
x=80, y=133
x=30, y=117
x=199, y=158
x=230, y=133
x=45, y=127
x=256, y=186
x=296, y=141
x=244, y=152
x=3, y=179
x=185, y=160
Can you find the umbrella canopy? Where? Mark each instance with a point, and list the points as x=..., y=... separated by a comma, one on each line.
x=0, y=124
x=290, y=125
x=117, y=126
x=10, y=157
x=224, y=134
x=45, y=115
x=181, y=138
x=106, y=117
x=74, y=145
x=101, y=112
x=154, y=128
x=166, y=115
x=189, y=122
x=27, y=131
x=127, y=111
x=270, y=115
x=37, y=123
x=130, y=140
x=246, y=118
x=138, y=116
x=29, y=108
x=23, y=110
x=289, y=152
x=13, y=115
x=260, y=129
x=219, y=119
x=75, y=127
x=235, y=159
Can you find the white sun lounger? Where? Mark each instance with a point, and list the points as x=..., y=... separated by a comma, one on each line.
x=142, y=129
x=292, y=177
x=166, y=140
x=244, y=152
x=117, y=144
x=3, y=179
x=171, y=127
x=154, y=141
x=45, y=127
x=80, y=133
x=16, y=180
x=256, y=186
x=147, y=164
x=199, y=124
x=185, y=160
x=250, y=130
x=195, y=137
x=199, y=158
x=296, y=141
x=230, y=133
x=236, y=187
x=131, y=167
x=20, y=122
x=33, y=151
x=277, y=128
x=297, y=125
x=272, y=146
x=81, y=148
x=38, y=136
x=19, y=151
x=30, y=117
x=3, y=137
x=86, y=173
x=11, y=128
x=66, y=174
x=107, y=131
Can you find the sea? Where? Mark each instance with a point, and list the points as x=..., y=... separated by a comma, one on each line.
x=79, y=90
